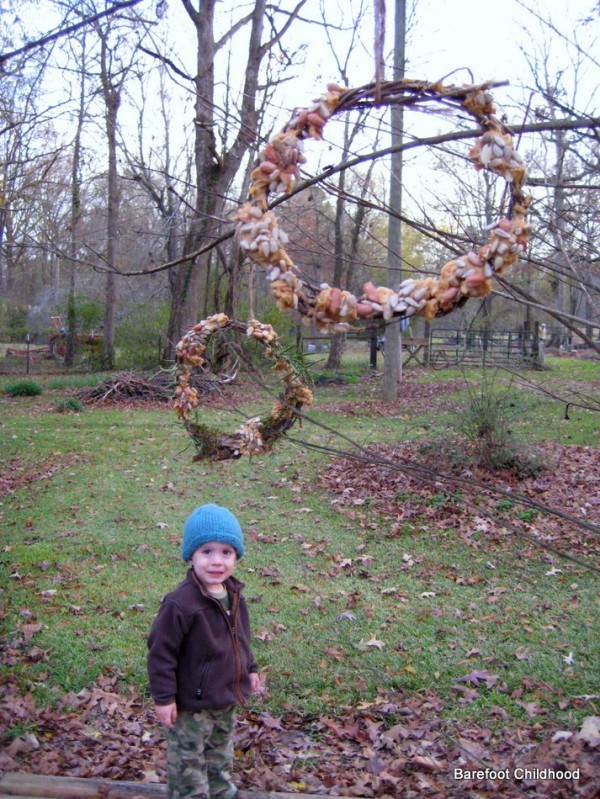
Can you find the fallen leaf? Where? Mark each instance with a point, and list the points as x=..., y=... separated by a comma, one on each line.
x=472, y=748
x=428, y=763
x=29, y=630
x=590, y=731
x=468, y=694
x=375, y=765
x=374, y=642
x=531, y=708
x=477, y=677
x=562, y=735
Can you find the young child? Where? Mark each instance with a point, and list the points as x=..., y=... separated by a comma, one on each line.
x=200, y=662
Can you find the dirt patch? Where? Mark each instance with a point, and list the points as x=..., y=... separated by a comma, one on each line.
x=16, y=474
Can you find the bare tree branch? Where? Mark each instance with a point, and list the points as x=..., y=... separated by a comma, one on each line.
x=569, y=124
x=59, y=34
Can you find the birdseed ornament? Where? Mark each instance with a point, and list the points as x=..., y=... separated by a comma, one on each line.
x=256, y=435
x=277, y=172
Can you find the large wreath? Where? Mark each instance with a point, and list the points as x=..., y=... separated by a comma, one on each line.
x=277, y=172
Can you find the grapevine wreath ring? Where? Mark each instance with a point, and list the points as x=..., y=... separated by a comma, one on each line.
x=277, y=171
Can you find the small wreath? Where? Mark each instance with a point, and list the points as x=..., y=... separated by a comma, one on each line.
x=276, y=172
x=256, y=435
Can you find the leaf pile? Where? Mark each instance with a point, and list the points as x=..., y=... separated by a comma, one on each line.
x=394, y=747
x=569, y=485
x=15, y=474
x=414, y=398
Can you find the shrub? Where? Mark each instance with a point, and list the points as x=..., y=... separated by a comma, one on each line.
x=139, y=336
x=487, y=424
x=70, y=405
x=88, y=313
x=24, y=388
x=14, y=322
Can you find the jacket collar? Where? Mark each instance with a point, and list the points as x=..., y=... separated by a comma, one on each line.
x=231, y=583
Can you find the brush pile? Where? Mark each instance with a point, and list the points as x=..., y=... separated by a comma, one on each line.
x=129, y=387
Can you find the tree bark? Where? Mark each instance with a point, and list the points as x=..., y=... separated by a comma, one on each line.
x=392, y=373
x=71, y=341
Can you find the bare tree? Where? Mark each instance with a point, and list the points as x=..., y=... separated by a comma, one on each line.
x=76, y=211
x=216, y=167
x=116, y=59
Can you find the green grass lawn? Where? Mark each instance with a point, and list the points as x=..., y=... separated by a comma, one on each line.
x=346, y=607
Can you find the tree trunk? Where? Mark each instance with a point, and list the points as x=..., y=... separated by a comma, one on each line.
x=338, y=340
x=71, y=341
x=214, y=171
x=392, y=372
x=559, y=280
x=112, y=100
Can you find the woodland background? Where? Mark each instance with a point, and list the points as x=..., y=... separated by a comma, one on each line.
x=128, y=131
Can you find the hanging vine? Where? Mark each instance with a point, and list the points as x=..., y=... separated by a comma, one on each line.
x=277, y=172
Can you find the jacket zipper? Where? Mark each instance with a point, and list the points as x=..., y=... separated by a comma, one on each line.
x=238, y=661
x=231, y=624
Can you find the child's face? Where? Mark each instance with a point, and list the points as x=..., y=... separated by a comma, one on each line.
x=214, y=563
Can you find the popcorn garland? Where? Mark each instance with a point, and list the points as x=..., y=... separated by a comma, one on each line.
x=470, y=275
x=256, y=435
x=259, y=235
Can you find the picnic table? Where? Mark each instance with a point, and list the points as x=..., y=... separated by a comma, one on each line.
x=415, y=347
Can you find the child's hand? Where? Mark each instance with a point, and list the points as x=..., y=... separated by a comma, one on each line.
x=255, y=683
x=166, y=714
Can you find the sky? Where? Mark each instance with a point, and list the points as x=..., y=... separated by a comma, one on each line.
x=455, y=38
x=465, y=40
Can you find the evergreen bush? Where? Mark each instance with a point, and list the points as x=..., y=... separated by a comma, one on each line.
x=24, y=388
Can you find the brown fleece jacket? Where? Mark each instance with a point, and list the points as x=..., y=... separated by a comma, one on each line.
x=198, y=656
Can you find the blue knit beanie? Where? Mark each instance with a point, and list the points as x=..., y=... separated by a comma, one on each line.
x=211, y=523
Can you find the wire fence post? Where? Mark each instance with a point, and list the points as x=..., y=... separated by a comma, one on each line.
x=27, y=341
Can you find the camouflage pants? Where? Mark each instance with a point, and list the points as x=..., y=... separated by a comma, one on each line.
x=200, y=755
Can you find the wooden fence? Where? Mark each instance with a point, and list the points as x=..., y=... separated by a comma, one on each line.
x=445, y=349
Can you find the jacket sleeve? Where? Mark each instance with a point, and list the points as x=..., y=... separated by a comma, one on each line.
x=245, y=619
x=164, y=643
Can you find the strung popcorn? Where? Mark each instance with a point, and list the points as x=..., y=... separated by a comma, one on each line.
x=495, y=151
x=469, y=275
x=278, y=162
